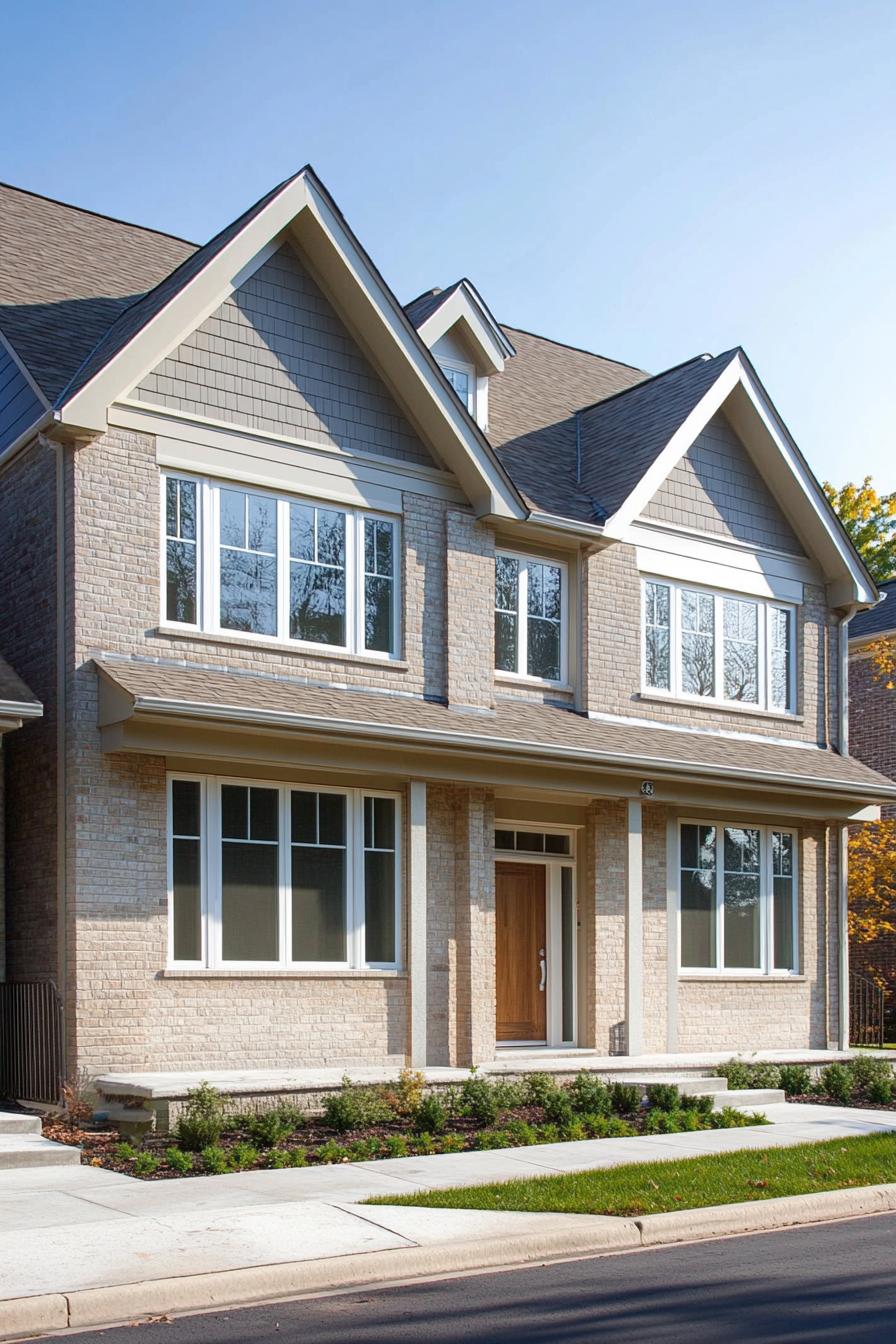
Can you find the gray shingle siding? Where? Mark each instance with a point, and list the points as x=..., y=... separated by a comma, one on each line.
x=715, y=488
x=276, y=357
x=19, y=405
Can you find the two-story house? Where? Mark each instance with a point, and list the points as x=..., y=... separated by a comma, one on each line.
x=415, y=686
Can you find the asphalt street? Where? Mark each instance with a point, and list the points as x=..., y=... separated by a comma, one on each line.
x=836, y=1281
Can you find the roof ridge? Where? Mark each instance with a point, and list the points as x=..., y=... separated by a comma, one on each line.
x=566, y=345
x=97, y=214
x=655, y=377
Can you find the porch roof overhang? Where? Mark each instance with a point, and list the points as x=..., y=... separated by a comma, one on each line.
x=17, y=704
x=147, y=706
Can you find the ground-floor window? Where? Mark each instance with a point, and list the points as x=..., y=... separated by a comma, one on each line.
x=738, y=898
x=264, y=874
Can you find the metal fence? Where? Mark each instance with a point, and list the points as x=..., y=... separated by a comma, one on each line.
x=866, y=1011
x=32, y=1041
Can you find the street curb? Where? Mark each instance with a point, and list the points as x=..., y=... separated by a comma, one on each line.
x=24, y=1316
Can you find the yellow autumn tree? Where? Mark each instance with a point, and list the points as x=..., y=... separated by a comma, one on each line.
x=870, y=520
x=872, y=887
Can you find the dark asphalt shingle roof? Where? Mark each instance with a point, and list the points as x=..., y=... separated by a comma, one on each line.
x=66, y=274
x=419, y=310
x=13, y=688
x=877, y=620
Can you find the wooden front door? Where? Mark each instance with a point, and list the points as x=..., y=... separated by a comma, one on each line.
x=520, y=952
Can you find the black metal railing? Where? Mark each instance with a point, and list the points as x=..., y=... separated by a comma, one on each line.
x=866, y=1011
x=32, y=1041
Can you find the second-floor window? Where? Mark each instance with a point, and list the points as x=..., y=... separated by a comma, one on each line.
x=281, y=568
x=462, y=378
x=530, y=617
x=718, y=647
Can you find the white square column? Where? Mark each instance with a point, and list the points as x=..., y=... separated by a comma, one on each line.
x=417, y=900
x=634, y=930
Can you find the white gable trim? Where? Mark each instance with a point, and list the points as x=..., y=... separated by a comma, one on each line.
x=464, y=307
x=781, y=466
x=301, y=209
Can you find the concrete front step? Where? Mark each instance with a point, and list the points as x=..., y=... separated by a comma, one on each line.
x=749, y=1097
x=17, y=1122
x=692, y=1085
x=31, y=1150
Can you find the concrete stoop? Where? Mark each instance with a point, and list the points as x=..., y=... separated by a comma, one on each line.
x=23, y=1145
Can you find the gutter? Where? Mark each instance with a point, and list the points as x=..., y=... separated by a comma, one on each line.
x=45, y=422
x=21, y=709
x=153, y=705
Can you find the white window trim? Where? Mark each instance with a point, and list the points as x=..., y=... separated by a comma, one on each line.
x=765, y=970
x=210, y=877
x=208, y=568
x=521, y=674
x=765, y=607
x=461, y=366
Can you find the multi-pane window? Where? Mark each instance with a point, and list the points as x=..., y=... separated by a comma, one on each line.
x=462, y=378
x=277, y=875
x=262, y=564
x=530, y=617
x=738, y=898
x=733, y=650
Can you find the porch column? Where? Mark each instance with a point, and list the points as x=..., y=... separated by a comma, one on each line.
x=843, y=937
x=634, y=933
x=417, y=897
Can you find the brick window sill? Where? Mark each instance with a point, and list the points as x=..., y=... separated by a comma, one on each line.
x=234, y=973
x=722, y=978
x=719, y=707
x=281, y=646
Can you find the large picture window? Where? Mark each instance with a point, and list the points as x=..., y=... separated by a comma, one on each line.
x=250, y=561
x=711, y=646
x=285, y=876
x=738, y=898
x=530, y=617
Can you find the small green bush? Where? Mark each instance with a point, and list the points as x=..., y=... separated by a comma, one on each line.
x=589, y=1094
x=356, y=1107
x=365, y=1150
x=202, y=1121
x=124, y=1152
x=689, y=1119
x=837, y=1082
x=574, y=1130
x=493, y=1138
x=178, y=1161
x=278, y=1158
x=430, y=1116
x=146, y=1164
x=214, y=1159
x=243, y=1156
x=453, y=1143
x=272, y=1128
x=701, y=1106
x=744, y=1073
x=880, y=1091
x=867, y=1069
x=607, y=1127
x=663, y=1097
x=730, y=1118
x=331, y=1151
x=660, y=1121
x=299, y=1157
x=547, y=1133
x=537, y=1087
x=478, y=1100
x=521, y=1134
x=425, y=1145
x=558, y=1108
x=625, y=1098
x=396, y=1145
x=795, y=1079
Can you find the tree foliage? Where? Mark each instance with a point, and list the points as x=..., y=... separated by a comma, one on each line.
x=872, y=883
x=870, y=520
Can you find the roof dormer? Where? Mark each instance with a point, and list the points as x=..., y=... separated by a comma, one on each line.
x=465, y=340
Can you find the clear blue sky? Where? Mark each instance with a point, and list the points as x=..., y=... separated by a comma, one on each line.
x=648, y=180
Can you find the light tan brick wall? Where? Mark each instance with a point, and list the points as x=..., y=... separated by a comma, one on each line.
x=470, y=610
x=474, y=922
x=612, y=659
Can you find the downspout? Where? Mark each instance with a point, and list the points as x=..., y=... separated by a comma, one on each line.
x=61, y=774
x=843, y=837
x=843, y=681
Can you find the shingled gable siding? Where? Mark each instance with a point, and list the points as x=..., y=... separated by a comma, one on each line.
x=715, y=488
x=28, y=632
x=612, y=659
x=276, y=357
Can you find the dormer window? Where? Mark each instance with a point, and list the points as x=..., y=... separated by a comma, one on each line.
x=462, y=378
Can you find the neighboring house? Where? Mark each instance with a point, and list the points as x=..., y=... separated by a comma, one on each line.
x=17, y=707
x=872, y=739
x=416, y=685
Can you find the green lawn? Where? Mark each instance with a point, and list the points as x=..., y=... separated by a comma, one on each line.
x=690, y=1183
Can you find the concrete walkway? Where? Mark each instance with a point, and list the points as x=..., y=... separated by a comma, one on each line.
x=68, y=1229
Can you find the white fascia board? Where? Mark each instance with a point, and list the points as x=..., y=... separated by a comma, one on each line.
x=722, y=564
x=673, y=452
x=187, y=309
x=21, y=709
x=479, y=331
x=460, y=445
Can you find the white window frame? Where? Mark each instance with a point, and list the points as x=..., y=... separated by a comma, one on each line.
x=765, y=607
x=210, y=877
x=766, y=968
x=524, y=559
x=461, y=366
x=208, y=568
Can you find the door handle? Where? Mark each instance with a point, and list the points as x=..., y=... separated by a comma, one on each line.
x=543, y=966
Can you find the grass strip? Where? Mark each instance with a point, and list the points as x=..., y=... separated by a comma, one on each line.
x=687, y=1183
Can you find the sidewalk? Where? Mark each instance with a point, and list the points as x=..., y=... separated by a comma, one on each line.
x=80, y=1245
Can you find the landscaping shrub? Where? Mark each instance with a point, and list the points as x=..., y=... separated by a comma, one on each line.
x=574, y=1131
x=557, y=1108
x=589, y=1094
x=201, y=1124
x=331, y=1151
x=730, y=1118
x=214, y=1159
x=299, y=1157
x=145, y=1164
x=660, y=1121
x=701, y=1106
x=430, y=1116
x=178, y=1161
x=478, y=1100
x=396, y=1145
x=837, y=1082
x=744, y=1073
x=548, y=1134
x=795, y=1079
x=125, y=1152
x=453, y=1143
x=493, y=1138
x=408, y=1092
x=607, y=1127
x=243, y=1156
x=521, y=1134
x=663, y=1097
x=537, y=1087
x=365, y=1150
x=864, y=1070
x=356, y=1107
x=272, y=1128
x=278, y=1158
x=880, y=1091
x=425, y=1145
x=625, y=1098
